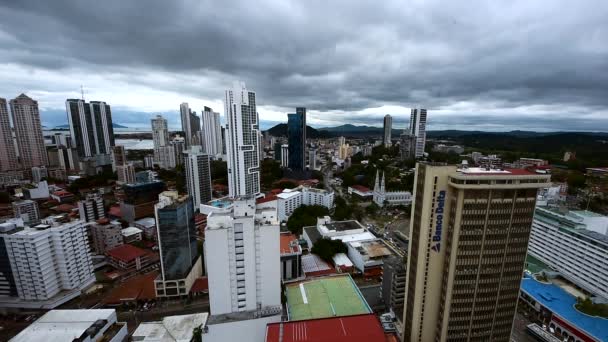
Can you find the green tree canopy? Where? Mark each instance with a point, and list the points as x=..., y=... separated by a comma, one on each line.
x=304, y=216
x=327, y=248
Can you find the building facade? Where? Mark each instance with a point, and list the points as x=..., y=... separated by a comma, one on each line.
x=180, y=263
x=91, y=129
x=211, y=133
x=296, y=136
x=125, y=174
x=91, y=208
x=27, y=210
x=243, y=260
x=585, y=234
x=198, y=175
x=105, y=235
x=242, y=141
x=28, y=131
x=418, y=130
x=119, y=157
x=388, y=127
x=8, y=156
x=291, y=199
x=285, y=155
x=468, y=240
x=164, y=152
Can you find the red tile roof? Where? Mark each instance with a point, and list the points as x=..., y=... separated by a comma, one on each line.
x=115, y=211
x=140, y=287
x=126, y=252
x=286, y=240
x=360, y=188
x=66, y=208
x=200, y=285
x=62, y=193
x=269, y=198
x=359, y=328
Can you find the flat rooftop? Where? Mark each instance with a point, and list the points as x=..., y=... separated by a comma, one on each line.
x=171, y=328
x=561, y=303
x=341, y=226
x=332, y=296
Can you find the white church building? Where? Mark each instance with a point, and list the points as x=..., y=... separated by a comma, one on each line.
x=391, y=197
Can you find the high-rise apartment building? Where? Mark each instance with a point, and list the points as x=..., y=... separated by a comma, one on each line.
x=211, y=133
x=242, y=141
x=296, y=136
x=468, y=240
x=8, y=157
x=27, y=210
x=243, y=259
x=198, y=175
x=49, y=259
x=178, y=144
x=91, y=129
x=191, y=125
x=28, y=131
x=418, y=129
x=180, y=263
x=407, y=146
x=312, y=158
x=119, y=156
x=105, y=235
x=388, y=128
x=125, y=174
x=284, y=155
x=91, y=208
x=164, y=151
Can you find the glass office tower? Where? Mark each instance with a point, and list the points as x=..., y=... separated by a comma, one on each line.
x=296, y=132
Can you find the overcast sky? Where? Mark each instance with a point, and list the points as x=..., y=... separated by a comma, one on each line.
x=489, y=65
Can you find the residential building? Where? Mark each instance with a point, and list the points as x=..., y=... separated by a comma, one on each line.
x=84, y=325
x=64, y=157
x=418, y=130
x=468, y=240
x=51, y=263
x=105, y=235
x=38, y=173
x=393, y=287
x=243, y=260
x=91, y=129
x=28, y=131
x=148, y=226
x=130, y=259
x=37, y=191
x=532, y=162
x=27, y=210
x=139, y=200
x=312, y=158
x=388, y=128
x=8, y=287
x=91, y=208
x=285, y=155
x=8, y=156
x=382, y=197
x=198, y=175
x=180, y=262
x=211, y=133
x=291, y=199
x=185, y=115
x=242, y=141
x=586, y=235
x=172, y=329
x=179, y=145
x=291, y=258
x=491, y=161
x=296, y=136
x=131, y=234
x=125, y=173
x=164, y=152
x=119, y=157
x=597, y=172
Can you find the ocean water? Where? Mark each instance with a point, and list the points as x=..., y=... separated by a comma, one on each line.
x=129, y=144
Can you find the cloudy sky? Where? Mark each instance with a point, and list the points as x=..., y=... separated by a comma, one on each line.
x=489, y=65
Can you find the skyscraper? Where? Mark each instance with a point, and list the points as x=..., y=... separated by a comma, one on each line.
x=91, y=208
x=296, y=133
x=179, y=260
x=211, y=133
x=195, y=127
x=178, y=144
x=418, y=130
x=198, y=175
x=468, y=240
x=8, y=157
x=119, y=156
x=242, y=141
x=388, y=127
x=164, y=152
x=191, y=125
x=91, y=128
x=28, y=130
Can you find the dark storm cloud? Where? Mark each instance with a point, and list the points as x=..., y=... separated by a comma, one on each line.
x=459, y=59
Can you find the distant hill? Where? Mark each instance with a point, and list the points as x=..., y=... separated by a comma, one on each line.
x=115, y=125
x=280, y=130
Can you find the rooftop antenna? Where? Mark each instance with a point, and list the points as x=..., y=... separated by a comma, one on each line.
x=82, y=92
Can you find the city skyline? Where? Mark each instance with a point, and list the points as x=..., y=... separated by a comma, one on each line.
x=470, y=70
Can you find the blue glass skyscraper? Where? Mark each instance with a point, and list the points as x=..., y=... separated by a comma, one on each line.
x=296, y=132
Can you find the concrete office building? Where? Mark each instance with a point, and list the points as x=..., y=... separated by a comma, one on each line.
x=468, y=240
x=8, y=156
x=296, y=136
x=418, y=130
x=50, y=263
x=575, y=244
x=180, y=263
x=91, y=129
x=91, y=208
x=211, y=133
x=285, y=155
x=243, y=259
x=27, y=210
x=388, y=127
x=139, y=200
x=242, y=141
x=198, y=175
x=28, y=131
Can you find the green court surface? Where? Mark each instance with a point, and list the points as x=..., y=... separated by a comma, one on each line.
x=325, y=297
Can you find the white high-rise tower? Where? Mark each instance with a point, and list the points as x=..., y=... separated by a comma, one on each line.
x=388, y=127
x=198, y=175
x=242, y=141
x=211, y=133
x=164, y=153
x=418, y=129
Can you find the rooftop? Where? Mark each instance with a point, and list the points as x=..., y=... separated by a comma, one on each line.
x=340, y=259
x=561, y=303
x=359, y=328
x=341, y=226
x=253, y=330
x=311, y=264
x=126, y=252
x=371, y=248
x=360, y=188
x=288, y=194
x=289, y=244
x=139, y=287
x=171, y=328
x=130, y=231
x=146, y=222
x=325, y=297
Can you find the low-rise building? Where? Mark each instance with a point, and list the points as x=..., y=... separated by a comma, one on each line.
x=130, y=259
x=27, y=210
x=82, y=325
x=368, y=256
x=105, y=235
x=62, y=196
x=291, y=199
x=382, y=197
x=179, y=328
x=597, y=172
x=131, y=234
x=361, y=192
x=148, y=226
x=291, y=258
x=345, y=231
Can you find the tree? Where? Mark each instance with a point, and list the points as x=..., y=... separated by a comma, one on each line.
x=327, y=248
x=305, y=216
x=575, y=181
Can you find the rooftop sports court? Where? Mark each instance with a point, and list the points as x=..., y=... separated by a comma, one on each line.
x=332, y=296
